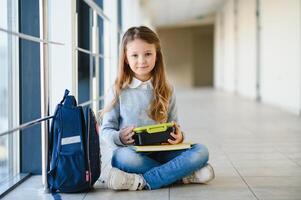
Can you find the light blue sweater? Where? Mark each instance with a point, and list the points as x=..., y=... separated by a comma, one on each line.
x=131, y=109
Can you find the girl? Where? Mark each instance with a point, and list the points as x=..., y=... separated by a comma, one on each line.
x=142, y=96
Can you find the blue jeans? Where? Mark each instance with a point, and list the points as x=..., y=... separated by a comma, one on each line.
x=161, y=168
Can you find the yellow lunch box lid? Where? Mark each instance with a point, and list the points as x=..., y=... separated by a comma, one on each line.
x=154, y=128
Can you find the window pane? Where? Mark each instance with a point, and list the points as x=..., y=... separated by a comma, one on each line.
x=90, y=66
x=101, y=60
x=85, y=61
x=8, y=84
x=4, y=54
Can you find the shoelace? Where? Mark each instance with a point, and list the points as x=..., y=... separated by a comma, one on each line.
x=191, y=176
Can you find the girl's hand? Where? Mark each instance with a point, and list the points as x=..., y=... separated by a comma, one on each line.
x=126, y=134
x=177, y=135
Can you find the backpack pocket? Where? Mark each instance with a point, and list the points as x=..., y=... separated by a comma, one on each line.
x=68, y=175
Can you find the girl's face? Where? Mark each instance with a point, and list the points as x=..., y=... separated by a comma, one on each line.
x=141, y=57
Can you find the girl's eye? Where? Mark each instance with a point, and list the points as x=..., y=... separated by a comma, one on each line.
x=135, y=55
x=148, y=54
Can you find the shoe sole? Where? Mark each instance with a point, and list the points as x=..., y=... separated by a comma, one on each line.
x=212, y=174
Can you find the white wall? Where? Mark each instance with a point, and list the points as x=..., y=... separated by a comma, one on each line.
x=218, y=50
x=203, y=56
x=279, y=51
x=229, y=72
x=246, y=48
x=134, y=14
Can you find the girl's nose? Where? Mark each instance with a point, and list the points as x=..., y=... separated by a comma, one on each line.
x=141, y=59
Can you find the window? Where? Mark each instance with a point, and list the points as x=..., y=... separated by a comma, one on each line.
x=90, y=54
x=20, y=97
x=9, y=158
x=4, y=54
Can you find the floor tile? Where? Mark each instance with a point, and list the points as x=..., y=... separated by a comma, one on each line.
x=196, y=192
x=284, y=188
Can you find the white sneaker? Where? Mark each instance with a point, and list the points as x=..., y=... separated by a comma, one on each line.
x=120, y=180
x=203, y=175
x=100, y=183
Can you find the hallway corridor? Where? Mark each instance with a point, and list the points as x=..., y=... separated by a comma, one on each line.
x=254, y=148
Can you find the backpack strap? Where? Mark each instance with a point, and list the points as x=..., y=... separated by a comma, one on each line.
x=51, y=133
x=65, y=95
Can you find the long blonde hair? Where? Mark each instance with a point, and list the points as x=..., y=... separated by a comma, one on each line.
x=159, y=106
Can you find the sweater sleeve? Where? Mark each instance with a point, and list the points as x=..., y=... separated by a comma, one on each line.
x=110, y=121
x=173, y=111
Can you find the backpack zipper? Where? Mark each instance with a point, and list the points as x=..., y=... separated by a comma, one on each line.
x=88, y=173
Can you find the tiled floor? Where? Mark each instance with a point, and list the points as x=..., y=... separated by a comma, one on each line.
x=254, y=148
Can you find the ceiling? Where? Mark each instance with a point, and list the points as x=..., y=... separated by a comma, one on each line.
x=181, y=12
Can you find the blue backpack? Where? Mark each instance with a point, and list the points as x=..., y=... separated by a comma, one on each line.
x=73, y=151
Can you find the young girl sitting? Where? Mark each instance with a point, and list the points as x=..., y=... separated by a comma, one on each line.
x=142, y=96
